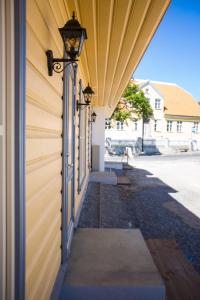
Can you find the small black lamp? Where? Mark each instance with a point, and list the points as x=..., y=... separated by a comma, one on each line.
x=87, y=94
x=93, y=117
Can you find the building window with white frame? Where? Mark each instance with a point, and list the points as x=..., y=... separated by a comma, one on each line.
x=155, y=125
x=179, y=126
x=169, y=125
x=107, y=123
x=135, y=125
x=157, y=104
x=120, y=125
x=195, y=127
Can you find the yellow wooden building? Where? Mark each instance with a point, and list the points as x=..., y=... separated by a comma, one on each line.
x=45, y=141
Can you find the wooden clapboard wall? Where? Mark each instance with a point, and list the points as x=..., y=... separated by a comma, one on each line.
x=44, y=147
x=43, y=151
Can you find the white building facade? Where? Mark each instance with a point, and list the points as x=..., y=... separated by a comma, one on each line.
x=175, y=124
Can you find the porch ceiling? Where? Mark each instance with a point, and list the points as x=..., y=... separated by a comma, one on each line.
x=119, y=32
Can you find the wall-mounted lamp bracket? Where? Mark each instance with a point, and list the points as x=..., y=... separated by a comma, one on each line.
x=79, y=105
x=57, y=64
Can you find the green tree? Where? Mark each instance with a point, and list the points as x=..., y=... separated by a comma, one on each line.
x=133, y=102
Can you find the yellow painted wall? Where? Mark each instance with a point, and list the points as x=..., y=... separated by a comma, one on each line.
x=43, y=149
x=43, y=153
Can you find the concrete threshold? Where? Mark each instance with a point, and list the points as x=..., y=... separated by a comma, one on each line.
x=111, y=264
x=103, y=177
x=114, y=165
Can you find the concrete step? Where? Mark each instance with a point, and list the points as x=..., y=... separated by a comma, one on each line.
x=111, y=264
x=104, y=177
x=113, y=165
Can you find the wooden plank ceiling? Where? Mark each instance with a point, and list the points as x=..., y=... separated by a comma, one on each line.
x=119, y=32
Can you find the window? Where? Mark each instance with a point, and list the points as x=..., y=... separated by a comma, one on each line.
x=155, y=125
x=195, y=127
x=120, y=125
x=157, y=104
x=135, y=125
x=169, y=126
x=108, y=123
x=179, y=126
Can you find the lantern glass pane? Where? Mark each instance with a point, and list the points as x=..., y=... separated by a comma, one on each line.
x=74, y=42
x=87, y=97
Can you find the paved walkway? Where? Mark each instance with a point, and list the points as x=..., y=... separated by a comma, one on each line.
x=150, y=204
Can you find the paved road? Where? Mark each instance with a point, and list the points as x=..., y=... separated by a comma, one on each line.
x=163, y=200
x=181, y=172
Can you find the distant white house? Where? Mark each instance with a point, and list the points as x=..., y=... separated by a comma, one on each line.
x=175, y=123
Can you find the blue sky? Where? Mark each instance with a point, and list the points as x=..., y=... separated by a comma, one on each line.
x=174, y=52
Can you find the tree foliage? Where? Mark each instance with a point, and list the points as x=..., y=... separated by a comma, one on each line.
x=133, y=102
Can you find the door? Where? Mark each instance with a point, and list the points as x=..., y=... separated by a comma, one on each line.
x=68, y=169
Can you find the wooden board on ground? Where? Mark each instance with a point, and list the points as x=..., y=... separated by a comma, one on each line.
x=181, y=280
x=123, y=180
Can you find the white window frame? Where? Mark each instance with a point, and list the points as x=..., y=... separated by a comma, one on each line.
x=179, y=125
x=120, y=125
x=157, y=103
x=155, y=125
x=196, y=127
x=107, y=123
x=169, y=125
x=136, y=125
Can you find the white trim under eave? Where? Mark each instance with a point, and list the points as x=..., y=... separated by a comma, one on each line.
x=183, y=118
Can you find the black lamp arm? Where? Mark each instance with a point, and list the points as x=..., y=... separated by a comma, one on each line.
x=54, y=64
x=78, y=105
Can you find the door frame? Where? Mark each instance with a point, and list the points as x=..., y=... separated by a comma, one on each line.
x=3, y=148
x=67, y=233
x=14, y=22
x=19, y=146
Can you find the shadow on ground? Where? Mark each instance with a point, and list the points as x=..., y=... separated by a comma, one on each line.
x=145, y=204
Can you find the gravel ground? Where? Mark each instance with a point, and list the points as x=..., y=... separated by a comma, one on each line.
x=149, y=204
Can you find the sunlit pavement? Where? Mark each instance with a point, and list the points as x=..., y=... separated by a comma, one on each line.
x=162, y=200
x=179, y=171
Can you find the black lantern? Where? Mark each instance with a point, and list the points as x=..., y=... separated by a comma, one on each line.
x=93, y=117
x=73, y=36
x=87, y=93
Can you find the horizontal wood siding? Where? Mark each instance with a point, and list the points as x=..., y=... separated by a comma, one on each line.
x=44, y=147
x=43, y=152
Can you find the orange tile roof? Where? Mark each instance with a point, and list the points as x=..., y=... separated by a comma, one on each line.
x=177, y=101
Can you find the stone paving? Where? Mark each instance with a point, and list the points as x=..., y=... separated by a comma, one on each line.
x=146, y=204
